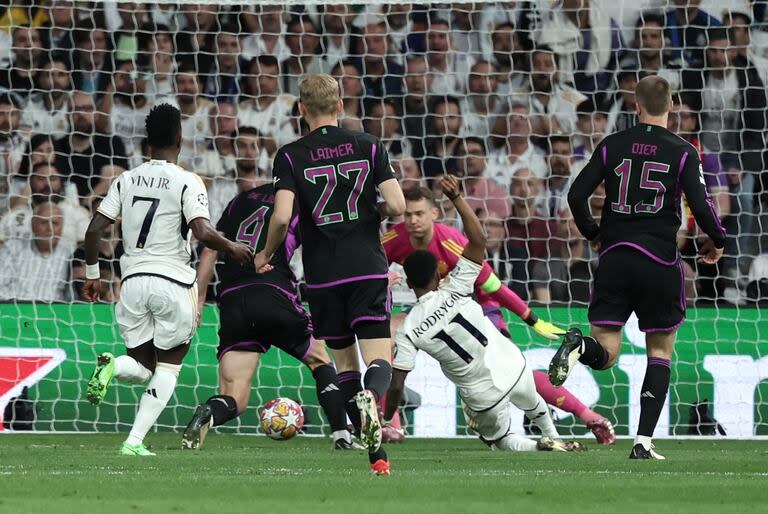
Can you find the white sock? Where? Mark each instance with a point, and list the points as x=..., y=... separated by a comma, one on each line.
x=342, y=434
x=154, y=400
x=541, y=417
x=128, y=369
x=515, y=443
x=644, y=440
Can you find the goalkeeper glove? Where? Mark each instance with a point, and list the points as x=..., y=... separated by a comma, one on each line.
x=544, y=328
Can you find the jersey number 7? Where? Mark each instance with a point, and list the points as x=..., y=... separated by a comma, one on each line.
x=453, y=345
x=147, y=224
x=329, y=173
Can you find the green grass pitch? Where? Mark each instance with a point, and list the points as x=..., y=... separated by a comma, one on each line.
x=83, y=473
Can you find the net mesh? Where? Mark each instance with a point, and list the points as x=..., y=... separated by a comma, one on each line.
x=509, y=96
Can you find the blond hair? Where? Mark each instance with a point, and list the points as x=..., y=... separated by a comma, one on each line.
x=654, y=95
x=319, y=93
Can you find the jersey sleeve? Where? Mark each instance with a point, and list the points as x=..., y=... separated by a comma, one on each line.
x=463, y=277
x=194, y=199
x=223, y=223
x=382, y=169
x=282, y=171
x=111, y=206
x=405, y=352
x=699, y=201
x=583, y=187
x=389, y=241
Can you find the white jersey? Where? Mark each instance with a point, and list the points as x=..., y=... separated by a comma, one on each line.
x=157, y=200
x=451, y=327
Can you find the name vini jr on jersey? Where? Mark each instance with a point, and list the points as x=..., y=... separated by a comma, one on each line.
x=139, y=180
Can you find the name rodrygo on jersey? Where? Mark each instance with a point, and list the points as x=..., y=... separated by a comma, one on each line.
x=156, y=201
x=450, y=326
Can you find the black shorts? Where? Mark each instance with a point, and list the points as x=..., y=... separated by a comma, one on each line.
x=627, y=280
x=361, y=308
x=260, y=316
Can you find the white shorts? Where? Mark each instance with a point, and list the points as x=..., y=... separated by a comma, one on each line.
x=494, y=423
x=155, y=309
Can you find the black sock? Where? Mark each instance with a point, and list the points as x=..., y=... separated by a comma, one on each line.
x=378, y=377
x=329, y=396
x=223, y=407
x=349, y=384
x=594, y=354
x=378, y=454
x=653, y=394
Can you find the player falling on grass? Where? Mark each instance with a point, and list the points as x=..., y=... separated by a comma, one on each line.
x=646, y=170
x=488, y=369
x=159, y=203
x=335, y=176
x=420, y=231
x=257, y=311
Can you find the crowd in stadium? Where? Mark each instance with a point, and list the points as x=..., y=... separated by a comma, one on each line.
x=510, y=97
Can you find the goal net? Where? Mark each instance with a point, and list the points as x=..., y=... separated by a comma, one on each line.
x=511, y=97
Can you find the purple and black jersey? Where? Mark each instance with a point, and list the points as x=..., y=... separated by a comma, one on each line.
x=334, y=174
x=246, y=219
x=646, y=170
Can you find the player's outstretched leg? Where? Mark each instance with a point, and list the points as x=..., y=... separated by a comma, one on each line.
x=101, y=378
x=563, y=399
x=598, y=351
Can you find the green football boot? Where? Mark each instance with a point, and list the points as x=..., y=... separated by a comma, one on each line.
x=102, y=376
x=138, y=450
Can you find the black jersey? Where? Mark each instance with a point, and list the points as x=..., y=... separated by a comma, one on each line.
x=246, y=219
x=334, y=174
x=646, y=169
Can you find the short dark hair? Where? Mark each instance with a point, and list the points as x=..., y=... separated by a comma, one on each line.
x=462, y=146
x=188, y=67
x=559, y=138
x=715, y=33
x=266, y=60
x=163, y=126
x=418, y=194
x=10, y=98
x=444, y=99
x=591, y=106
x=650, y=17
x=246, y=130
x=654, y=95
x=420, y=268
x=45, y=164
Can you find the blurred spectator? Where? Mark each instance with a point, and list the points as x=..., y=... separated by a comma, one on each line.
x=649, y=55
x=336, y=23
x=622, y=113
x=415, y=102
x=403, y=39
x=686, y=32
x=303, y=39
x=469, y=35
x=267, y=33
x=200, y=22
x=553, y=104
x=518, y=151
x=481, y=104
x=91, y=60
x=562, y=169
x=27, y=51
x=382, y=75
x=731, y=99
x=39, y=148
x=45, y=185
x=246, y=173
x=509, y=59
x=263, y=107
x=586, y=40
x=481, y=192
x=442, y=138
x=36, y=268
x=57, y=32
x=221, y=72
x=383, y=121
x=496, y=249
x=195, y=112
x=48, y=111
x=739, y=24
x=591, y=123
x=158, y=61
x=11, y=144
x=448, y=68
x=123, y=108
x=351, y=87
x=407, y=172
x=87, y=159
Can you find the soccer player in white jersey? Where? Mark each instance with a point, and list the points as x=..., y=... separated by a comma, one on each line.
x=448, y=324
x=159, y=203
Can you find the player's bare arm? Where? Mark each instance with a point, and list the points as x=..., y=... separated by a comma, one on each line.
x=204, y=273
x=394, y=201
x=93, y=235
x=394, y=393
x=210, y=237
x=475, y=249
x=278, y=228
